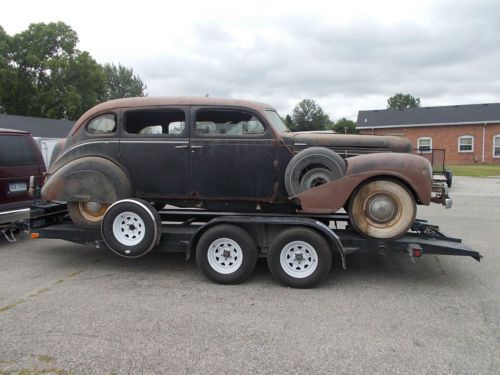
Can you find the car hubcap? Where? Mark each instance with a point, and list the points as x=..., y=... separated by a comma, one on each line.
x=382, y=209
x=298, y=259
x=129, y=228
x=225, y=255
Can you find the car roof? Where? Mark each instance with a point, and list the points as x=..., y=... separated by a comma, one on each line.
x=153, y=101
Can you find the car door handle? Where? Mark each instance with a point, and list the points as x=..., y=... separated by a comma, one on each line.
x=183, y=146
x=197, y=146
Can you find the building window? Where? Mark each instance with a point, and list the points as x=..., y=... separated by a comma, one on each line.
x=424, y=144
x=496, y=146
x=466, y=143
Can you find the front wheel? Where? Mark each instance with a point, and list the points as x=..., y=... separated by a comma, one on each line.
x=226, y=254
x=382, y=209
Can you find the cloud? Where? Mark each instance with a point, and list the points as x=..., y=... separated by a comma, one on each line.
x=345, y=55
x=451, y=52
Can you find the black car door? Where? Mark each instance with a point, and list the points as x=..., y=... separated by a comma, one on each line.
x=232, y=155
x=154, y=150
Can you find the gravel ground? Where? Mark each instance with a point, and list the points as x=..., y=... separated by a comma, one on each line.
x=66, y=308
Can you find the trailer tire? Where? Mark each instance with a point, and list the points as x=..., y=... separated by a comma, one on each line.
x=299, y=257
x=312, y=167
x=226, y=254
x=131, y=228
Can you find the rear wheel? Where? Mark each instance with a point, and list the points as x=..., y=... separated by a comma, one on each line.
x=87, y=214
x=299, y=257
x=382, y=209
x=226, y=254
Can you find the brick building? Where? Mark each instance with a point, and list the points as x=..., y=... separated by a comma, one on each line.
x=469, y=133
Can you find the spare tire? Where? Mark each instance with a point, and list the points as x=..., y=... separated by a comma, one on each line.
x=312, y=167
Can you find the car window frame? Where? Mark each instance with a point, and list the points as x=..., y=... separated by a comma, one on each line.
x=268, y=133
x=183, y=135
x=99, y=135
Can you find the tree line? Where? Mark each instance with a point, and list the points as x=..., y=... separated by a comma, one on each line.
x=307, y=115
x=43, y=74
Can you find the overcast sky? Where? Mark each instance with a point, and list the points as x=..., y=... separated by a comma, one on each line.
x=347, y=55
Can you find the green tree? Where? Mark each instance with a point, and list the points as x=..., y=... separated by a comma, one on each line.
x=77, y=84
x=288, y=122
x=345, y=126
x=307, y=115
x=121, y=82
x=34, y=54
x=42, y=73
x=402, y=101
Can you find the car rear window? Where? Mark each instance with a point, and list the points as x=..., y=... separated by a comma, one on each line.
x=15, y=151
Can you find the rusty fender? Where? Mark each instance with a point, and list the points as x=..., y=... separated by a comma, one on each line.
x=87, y=179
x=413, y=170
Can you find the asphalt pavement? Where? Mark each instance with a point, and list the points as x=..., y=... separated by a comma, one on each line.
x=70, y=309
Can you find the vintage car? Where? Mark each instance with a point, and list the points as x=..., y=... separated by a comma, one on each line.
x=234, y=155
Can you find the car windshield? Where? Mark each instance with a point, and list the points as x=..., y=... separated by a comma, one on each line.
x=276, y=121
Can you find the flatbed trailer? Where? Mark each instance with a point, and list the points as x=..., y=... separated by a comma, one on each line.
x=184, y=231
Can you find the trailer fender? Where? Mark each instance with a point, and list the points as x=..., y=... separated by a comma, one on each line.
x=332, y=238
x=87, y=179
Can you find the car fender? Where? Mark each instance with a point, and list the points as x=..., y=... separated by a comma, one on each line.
x=89, y=178
x=413, y=170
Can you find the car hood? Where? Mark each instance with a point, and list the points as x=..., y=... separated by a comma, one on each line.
x=352, y=143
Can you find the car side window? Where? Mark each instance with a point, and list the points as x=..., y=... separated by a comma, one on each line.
x=227, y=123
x=156, y=122
x=104, y=124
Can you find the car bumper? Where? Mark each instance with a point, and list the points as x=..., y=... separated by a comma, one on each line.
x=440, y=194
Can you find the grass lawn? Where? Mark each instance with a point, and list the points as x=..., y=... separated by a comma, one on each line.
x=476, y=170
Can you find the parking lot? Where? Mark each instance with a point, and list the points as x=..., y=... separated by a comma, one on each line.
x=67, y=308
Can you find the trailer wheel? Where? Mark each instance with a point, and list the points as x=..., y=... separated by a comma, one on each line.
x=131, y=228
x=382, y=209
x=299, y=258
x=226, y=254
x=312, y=167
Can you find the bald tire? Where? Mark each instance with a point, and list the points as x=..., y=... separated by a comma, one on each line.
x=390, y=221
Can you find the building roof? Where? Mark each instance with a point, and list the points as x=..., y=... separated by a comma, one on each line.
x=39, y=127
x=444, y=115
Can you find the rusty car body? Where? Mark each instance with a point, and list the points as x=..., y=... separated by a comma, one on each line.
x=225, y=154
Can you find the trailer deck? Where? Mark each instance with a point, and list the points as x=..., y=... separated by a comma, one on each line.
x=180, y=226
